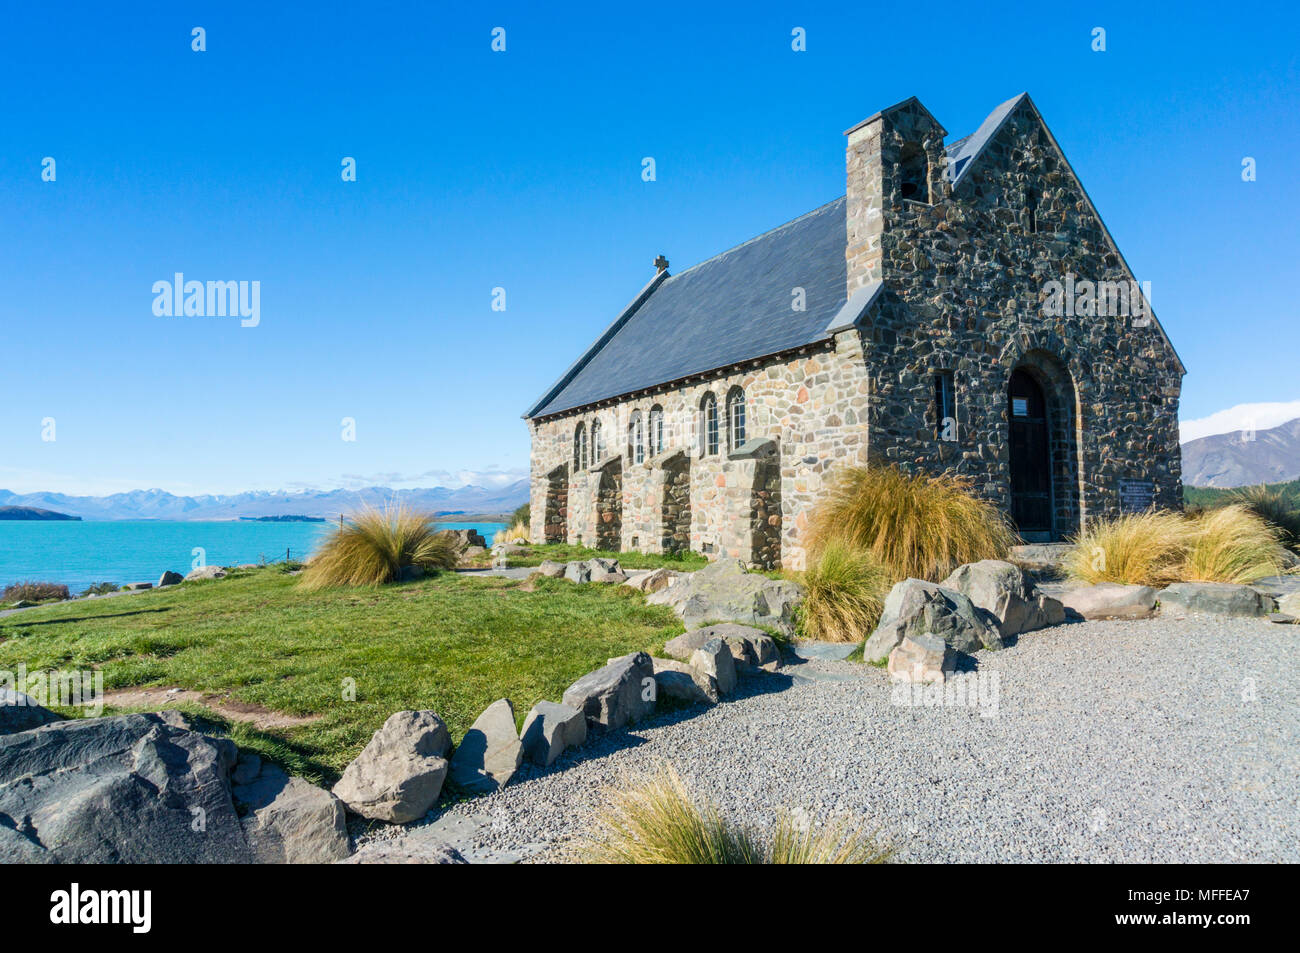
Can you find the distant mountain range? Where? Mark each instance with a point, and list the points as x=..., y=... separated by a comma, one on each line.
x=161, y=505
x=1226, y=459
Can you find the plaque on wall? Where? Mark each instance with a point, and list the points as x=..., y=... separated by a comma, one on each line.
x=1136, y=496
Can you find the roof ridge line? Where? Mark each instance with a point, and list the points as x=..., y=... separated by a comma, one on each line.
x=751, y=241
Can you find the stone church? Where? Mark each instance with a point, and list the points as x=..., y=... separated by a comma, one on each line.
x=962, y=308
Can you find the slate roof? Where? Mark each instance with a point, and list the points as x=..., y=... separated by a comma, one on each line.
x=735, y=307
x=731, y=308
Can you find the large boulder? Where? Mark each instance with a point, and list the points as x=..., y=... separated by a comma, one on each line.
x=1289, y=604
x=920, y=658
x=549, y=729
x=714, y=659
x=652, y=580
x=1005, y=590
x=1215, y=598
x=462, y=540
x=1110, y=600
x=724, y=592
x=490, y=753
x=578, y=571
x=606, y=570
x=753, y=649
x=917, y=607
x=169, y=578
x=205, y=572
x=552, y=569
x=19, y=712
x=616, y=694
x=398, y=776
x=684, y=682
x=129, y=789
x=291, y=821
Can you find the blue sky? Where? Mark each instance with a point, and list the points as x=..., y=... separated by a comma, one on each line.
x=522, y=170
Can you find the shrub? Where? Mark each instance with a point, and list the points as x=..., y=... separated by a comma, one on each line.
x=1273, y=506
x=35, y=591
x=522, y=516
x=100, y=588
x=659, y=822
x=1233, y=544
x=920, y=526
x=844, y=593
x=374, y=545
x=1145, y=549
x=1227, y=544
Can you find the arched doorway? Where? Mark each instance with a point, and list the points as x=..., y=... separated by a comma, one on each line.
x=1032, y=497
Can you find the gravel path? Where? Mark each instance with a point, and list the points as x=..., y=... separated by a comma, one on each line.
x=1112, y=741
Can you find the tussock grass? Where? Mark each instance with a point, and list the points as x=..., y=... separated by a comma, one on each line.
x=915, y=526
x=1273, y=506
x=372, y=546
x=1233, y=544
x=515, y=533
x=1144, y=549
x=1227, y=544
x=35, y=591
x=658, y=821
x=845, y=592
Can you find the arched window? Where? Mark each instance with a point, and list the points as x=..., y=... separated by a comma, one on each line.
x=597, y=443
x=735, y=418
x=709, y=425
x=636, y=439
x=656, y=429
x=580, y=448
x=914, y=173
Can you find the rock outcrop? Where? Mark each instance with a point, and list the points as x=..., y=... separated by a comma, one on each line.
x=398, y=776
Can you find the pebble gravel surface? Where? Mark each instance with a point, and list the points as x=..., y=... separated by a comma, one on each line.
x=1158, y=740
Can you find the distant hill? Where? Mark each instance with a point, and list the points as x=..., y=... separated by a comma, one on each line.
x=161, y=505
x=1211, y=496
x=32, y=513
x=1225, y=460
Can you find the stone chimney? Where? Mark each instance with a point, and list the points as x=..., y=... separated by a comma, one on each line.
x=875, y=160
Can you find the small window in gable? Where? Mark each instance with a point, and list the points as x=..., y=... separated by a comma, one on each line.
x=914, y=173
x=1031, y=211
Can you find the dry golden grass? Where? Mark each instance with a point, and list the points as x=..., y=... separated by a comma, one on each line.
x=1233, y=544
x=1228, y=544
x=374, y=545
x=515, y=533
x=915, y=526
x=845, y=592
x=658, y=821
x=1273, y=506
x=1145, y=549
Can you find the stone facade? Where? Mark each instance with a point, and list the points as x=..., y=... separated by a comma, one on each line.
x=965, y=268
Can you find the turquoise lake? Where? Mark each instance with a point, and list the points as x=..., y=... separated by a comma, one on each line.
x=78, y=554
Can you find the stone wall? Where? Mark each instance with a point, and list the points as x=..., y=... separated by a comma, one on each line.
x=812, y=405
x=965, y=281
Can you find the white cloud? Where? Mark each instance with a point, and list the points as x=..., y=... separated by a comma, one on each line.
x=1262, y=416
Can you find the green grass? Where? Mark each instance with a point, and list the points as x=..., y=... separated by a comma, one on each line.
x=563, y=553
x=449, y=643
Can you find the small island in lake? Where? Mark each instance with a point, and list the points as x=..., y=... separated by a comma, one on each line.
x=32, y=513
x=284, y=519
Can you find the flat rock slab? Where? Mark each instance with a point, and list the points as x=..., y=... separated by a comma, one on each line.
x=125, y=789
x=724, y=592
x=1215, y=598
x=809, y=650
x=1110, y=600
